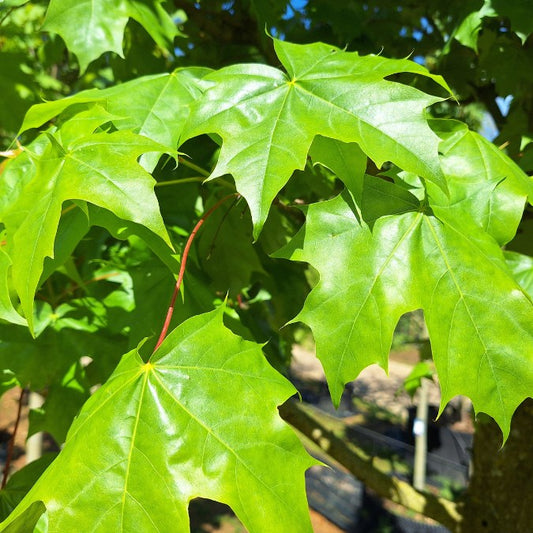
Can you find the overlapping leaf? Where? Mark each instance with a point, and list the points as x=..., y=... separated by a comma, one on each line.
x=226, y=252
x=199, y=419
x=484, y=184
x=13, y=3
x=408, y=259
x=518, y=12
x=100, y=168
x=153, y=106
x=347, y=161
x=20, y=483
x=152, y=283
x=67, y=338
x=17, y=86
x=31, y=520
x=17, y=172
x=64, y=399
x=468, y=30
x=522, y=268
x=92, y=27
x=267, y=119
x=7, y=311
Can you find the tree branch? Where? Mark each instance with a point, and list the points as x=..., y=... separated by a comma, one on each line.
x=11, y=444
x=487, y=96
x=306, y=420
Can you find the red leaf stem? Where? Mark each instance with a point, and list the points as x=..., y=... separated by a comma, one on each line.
x=181, y=273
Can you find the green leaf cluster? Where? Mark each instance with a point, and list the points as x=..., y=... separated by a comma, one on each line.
x=353, y=206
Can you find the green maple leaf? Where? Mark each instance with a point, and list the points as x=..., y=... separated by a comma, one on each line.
x=27, y=521
x=77, y=164
x=199, y=419
x=346, y=160
x=61, y=342
x=484, y=184
x=7, y=311
x=522, y=268
x=17, y=173
x=64, y=398
x=92, y=27
x=518, y=12
x=399, y=258
x=267, y=119
x=225, y=249
x=19, y=484
x=468, y=30
x=13, y=3
x=18, y=87
x=153, y=106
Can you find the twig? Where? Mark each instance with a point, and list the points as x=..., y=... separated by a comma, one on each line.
x=71, y=289
x=308, y=422
x=186, y=163
x=11, y=445
x=180, y=181
x=181, y=273
x=220, y=224
x=9, y=11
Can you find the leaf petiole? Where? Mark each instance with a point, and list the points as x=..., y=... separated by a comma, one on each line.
x=180, y=182
x=181, y=273
x=185, y=162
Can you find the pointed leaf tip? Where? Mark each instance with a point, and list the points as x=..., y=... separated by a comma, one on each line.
x=409, y=260
x=275, y=117
x=76, y=169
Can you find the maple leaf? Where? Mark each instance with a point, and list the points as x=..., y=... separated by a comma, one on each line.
x=7, y=311
x=225, y=248
x=484, y=184
x=400, y=257
x=154, y=106
x=92, y=27
x=267, y=119
x=77, y=164
x=522, y=268
x=198, y=419
x=17, y=486
x=346, y=160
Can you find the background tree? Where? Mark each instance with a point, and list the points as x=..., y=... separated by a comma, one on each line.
x=109, y=271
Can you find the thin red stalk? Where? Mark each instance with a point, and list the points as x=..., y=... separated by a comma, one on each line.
x=11, y=445
x=181, y=273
